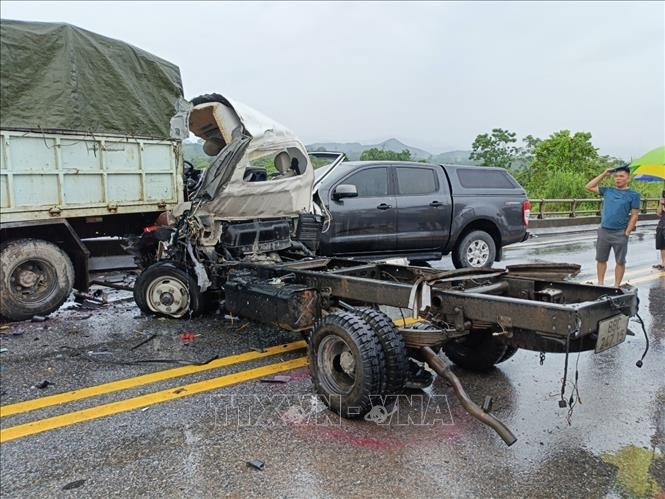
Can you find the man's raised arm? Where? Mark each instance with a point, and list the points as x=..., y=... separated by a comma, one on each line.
x=593, y=184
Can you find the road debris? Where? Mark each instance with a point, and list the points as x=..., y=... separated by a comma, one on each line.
x=44, y=384
x=74, y=485
x=96, y=297
x=143, y=342
x=188, y=337
x=280, y=378
x=109, y=284
x=3, y=350
x=38, y=318
x=257, y=464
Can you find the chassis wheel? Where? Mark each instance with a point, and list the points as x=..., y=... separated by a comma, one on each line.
x=478, y=351
x=476, y=249
x=510, y=351
x=394, y=349
x=166, y=290
x=36, y=277
x=346, y=363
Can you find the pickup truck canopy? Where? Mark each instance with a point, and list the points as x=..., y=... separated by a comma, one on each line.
x=58, y=77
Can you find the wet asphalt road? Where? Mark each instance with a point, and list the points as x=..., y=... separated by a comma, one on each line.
x=197, y=445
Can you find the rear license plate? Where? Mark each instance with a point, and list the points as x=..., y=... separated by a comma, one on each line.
x=611, y=332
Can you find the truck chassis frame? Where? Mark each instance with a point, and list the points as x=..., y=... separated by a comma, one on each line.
x=356, y=351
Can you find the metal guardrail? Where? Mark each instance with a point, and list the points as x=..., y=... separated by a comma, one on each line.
x=574, y=208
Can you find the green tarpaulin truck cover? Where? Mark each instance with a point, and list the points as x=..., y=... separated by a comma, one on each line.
x=58, y=77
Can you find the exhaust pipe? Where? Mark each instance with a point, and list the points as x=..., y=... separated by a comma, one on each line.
x=440, y=367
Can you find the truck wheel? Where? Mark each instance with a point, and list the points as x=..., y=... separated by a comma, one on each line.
x=36, y=277
x=394, y=349
x=478, y=351
x=346, y=363
x=476, y=249
x=166, y=290
x=510, y=351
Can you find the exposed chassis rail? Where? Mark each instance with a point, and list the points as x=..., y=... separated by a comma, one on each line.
x=534, y=314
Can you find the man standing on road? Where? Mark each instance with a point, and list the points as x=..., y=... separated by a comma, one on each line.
x=621, y=207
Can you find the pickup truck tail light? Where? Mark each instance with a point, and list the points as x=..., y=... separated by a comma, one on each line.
x=526, y=211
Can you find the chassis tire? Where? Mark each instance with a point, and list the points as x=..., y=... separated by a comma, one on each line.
x=36, y=277
x=394, y=349
x=166, y=290
x=346, y=363
x=476, y=249
x=478, y=351
x=510, y=351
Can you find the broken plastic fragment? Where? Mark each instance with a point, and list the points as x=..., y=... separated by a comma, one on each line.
x=256, y=464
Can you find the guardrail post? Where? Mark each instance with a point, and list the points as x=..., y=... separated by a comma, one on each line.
x=573, y=206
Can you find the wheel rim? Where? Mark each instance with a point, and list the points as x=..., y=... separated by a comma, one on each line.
x=478, y=253
x=337, y=365
x=168, y=296
x=33, y=280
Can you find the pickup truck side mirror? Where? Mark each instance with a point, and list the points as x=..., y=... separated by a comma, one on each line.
x=345, y=191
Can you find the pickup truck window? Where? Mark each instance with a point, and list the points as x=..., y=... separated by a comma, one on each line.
x=371, y=182
x=485, y=179
x=413, y=181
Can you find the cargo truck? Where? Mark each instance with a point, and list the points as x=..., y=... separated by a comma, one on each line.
x=86, y=150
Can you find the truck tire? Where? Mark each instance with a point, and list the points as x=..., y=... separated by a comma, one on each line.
x=166, y=290
x=478, y=351
x=476, y=249
x=346, y=362
x=394, y=349
x=510, y=351
x=36, y=277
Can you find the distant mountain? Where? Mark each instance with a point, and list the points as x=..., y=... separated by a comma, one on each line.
x=453, y=158
x=353, y=150
x=193, y=151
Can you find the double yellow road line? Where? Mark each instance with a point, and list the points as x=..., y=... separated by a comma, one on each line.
x=100, y=411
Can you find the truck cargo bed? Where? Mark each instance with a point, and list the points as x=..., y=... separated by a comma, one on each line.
x=50, y=175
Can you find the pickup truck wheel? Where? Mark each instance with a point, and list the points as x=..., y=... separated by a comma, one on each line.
x=346, y=362
x=166, y=290
x=394, y=349
x=36, y=277
x=476, y=249
x=478, y=351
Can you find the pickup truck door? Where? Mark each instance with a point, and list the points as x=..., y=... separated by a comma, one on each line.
x=365, y=224
x=424, y=208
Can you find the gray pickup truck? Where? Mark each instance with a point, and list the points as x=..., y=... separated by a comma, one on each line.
x=420, y=211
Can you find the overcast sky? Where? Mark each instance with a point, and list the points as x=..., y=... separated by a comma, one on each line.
x=433, y=75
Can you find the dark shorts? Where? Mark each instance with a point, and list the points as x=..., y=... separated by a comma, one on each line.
x=616, y=240
x=660, y=238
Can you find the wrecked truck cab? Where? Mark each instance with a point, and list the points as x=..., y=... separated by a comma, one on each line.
x=252, y=204
x=262, y=169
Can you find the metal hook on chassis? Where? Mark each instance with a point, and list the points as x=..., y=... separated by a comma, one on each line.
x=469, y=405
